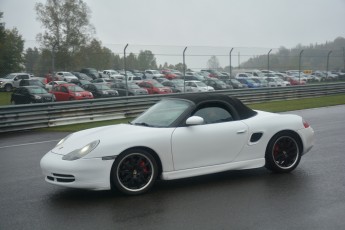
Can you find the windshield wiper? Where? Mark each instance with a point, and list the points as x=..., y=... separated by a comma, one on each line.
x=142, y=124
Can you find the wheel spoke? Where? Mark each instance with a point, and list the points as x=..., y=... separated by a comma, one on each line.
x=285, y=152
x=135, y=171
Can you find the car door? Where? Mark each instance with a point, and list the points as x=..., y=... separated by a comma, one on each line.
x=216, y=142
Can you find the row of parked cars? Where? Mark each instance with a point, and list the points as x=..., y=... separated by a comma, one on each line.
x=65, y=86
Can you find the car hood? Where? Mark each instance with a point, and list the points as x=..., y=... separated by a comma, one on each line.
x=114, y=139
x=5, y=80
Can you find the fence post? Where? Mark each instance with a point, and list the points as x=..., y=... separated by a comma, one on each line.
x=125, y=67
x=268, y=60
x=184, y=70
x=299, y=66
x=329, y=53
x=230, y=69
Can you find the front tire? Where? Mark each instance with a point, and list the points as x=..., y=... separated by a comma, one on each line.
x=134, y=172
x=283, y=152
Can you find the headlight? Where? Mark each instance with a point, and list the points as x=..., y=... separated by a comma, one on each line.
x=79, y=153
x=105, y=92
x=37, y=97
x=78, y=94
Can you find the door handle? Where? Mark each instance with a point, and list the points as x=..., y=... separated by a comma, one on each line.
x=241, y=131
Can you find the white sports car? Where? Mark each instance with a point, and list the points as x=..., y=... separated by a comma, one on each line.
x=178, y=137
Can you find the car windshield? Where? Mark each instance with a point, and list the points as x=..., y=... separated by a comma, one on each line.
x=157, y=85
x=68, y=74
x=200, y=84
x=10, y=76
x=133, y=86
x=75, y=88
x=162, y=114
x=37, y=90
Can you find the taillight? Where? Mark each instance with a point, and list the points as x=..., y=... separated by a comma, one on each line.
x=305, y=124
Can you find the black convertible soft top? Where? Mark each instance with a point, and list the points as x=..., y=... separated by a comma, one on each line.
x=243, y=111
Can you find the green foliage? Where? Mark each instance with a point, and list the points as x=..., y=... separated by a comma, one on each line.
x=11, y=49
x=314, y=57
x=67, y=29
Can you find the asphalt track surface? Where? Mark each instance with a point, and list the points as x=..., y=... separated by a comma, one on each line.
x=311, y=197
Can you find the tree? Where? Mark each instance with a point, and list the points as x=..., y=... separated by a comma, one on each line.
x=67, y=28
x=11, y=50
x=213, y=63
x=146, y=60
x=32, y=57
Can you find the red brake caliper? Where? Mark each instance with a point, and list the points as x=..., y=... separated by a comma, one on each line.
x=276, y=150
x=142, y=165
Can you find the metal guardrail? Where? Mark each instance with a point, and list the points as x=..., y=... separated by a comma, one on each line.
x=23, y=117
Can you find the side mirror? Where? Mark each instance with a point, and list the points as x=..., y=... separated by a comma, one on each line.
x=195, y=120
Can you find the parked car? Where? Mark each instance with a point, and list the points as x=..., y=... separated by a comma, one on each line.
x=168, y=74
x=133, y=89
x=235, y=84
x=153, y=74
x=199, y=86
x=69, y=92
x=31, y=82
x=91, y=72
x=31, y=94
x=154, y=87
x=177, y=86
x=65, y=76
x=190, y=76
x=51, y=84
x=212, y=73
x=106, y=81
x=12, y=80
x=178, y=137
x=294, y=81
x=217, y=84
x=82, y=76
x=261, y=81
x=249, y=82
x=113, y=74
x=100, y=90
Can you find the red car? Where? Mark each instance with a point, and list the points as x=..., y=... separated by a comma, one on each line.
x=154, y=87
x=68, y=92
x=295, y=81
x=168, y=74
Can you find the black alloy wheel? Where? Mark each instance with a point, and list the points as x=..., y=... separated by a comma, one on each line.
x=134, y=172
x=283, y=152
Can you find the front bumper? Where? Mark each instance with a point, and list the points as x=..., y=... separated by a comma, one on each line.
x=93, y=174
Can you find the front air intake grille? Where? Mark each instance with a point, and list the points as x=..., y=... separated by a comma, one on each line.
x=62, y=178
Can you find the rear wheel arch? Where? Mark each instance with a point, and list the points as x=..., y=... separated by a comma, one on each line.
x=295, y=134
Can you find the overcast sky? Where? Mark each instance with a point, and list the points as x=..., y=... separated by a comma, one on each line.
x=217, y=23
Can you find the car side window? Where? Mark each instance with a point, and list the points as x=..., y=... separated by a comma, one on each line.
x=214, y=114
x=63, y=89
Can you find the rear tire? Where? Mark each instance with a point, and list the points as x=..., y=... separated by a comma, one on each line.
x=283, y=152
x=134, y=172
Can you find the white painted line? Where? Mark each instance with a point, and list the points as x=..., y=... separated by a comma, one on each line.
x=33, y=143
